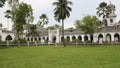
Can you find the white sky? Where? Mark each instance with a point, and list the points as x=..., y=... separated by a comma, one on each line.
x=79, y=8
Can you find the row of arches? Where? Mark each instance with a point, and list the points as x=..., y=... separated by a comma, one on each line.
x=108, y=37
x=36, y=38
x=100, y=37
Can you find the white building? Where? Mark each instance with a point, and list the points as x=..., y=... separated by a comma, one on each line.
x=107, y=34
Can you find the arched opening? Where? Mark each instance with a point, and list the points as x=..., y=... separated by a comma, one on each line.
x=28, y=39
x=43, y=38
x=116, y=37
x=31, y=39
x=39, y=39
x=108, y=38
x=47, y=39
x=86, y=38
x=61, y=39
x=8, y=37
x=35, y=39
x=67, y=39
x=54, y=39
x=100, y=38
x=79, y=38
x=0, y=38
x=73, y=38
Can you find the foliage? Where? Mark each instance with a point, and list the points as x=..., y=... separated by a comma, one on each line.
x=58, y=57
x=56, y=26
x=13, y=3
x=104, y=11
x=2, y=2
x=61, y=12
x=33, y=31
x=43, y=20
x=21, y=18
x=89, y=24
x=21, y=41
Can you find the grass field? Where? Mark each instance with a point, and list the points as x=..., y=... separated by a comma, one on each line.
x=60, y=57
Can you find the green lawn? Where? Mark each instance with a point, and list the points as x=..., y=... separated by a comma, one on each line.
x=60, y=57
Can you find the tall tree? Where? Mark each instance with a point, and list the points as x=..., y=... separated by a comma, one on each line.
x=8, y=15
x=43, y=20
x=103, y=11
x=61, y=12
x=20, y=18
x=89, y=24
x=2, y=2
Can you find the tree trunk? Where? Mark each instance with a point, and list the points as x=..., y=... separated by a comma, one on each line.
x=63, y=33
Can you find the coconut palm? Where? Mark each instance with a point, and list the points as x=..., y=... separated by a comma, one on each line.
x=61, y=12
x=8, y=15
x=43, y=20
x=103, y=11
x=2, y=2
x=13, y=3
x=33, y=32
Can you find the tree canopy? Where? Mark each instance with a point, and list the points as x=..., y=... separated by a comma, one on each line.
x=2, y=2
x=20, y=17
x=89, y=25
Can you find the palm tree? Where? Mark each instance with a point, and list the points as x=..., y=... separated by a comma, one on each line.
x=33, y=31
x=61, y=12
x=103, y=11
x=43, y=20
x=2, y=2
x=13, y=3
x=8, y=15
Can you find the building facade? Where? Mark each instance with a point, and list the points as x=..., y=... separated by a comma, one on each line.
x=108, y=34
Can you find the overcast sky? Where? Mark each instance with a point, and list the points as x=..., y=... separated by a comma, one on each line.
x=79, y=9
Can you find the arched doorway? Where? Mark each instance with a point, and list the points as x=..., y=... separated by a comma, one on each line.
x=31, y=38
x=116, y=37
x=67, y=39
x=54, y=39
x=108, y=38
x=0, y=38
x=85, y=38
x=79, y=38
x=39, y=39
x=61, y=39
x=35, y=39
x=8, y=37
x=47, y=39
x=100, y=38
x=43, y=38
x=73, y=38
x=28, y=39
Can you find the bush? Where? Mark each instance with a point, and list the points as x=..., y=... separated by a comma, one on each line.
x=21, y=41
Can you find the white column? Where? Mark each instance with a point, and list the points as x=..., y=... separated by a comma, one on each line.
x=104, y=37
x=70, y=38
x=112, y=37
x=88, y=37
x=95, y=38
x=82, y=38
x=57, y=36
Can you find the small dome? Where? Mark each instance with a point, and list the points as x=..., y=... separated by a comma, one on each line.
x=1, y=25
